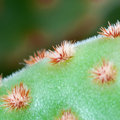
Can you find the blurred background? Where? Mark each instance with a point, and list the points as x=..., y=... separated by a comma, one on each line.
x=30, y=25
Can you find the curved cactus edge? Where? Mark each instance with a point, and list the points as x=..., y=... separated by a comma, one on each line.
x=88, y=40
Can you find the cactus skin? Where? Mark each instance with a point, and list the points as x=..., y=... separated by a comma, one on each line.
x=68, y=85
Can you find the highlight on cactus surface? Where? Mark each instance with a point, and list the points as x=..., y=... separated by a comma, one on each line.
x=112, y=31
x=62, y=53
x=67, y=115
x=104, y=73
x=17, y=98
x=37, y=57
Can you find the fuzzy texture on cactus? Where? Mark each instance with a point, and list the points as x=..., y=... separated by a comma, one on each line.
x=68, y=85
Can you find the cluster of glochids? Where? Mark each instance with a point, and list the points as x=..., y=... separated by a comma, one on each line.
x=105, y=72
x=17, y=98
x=67, y=115
x=112, y=31
x=60, y=54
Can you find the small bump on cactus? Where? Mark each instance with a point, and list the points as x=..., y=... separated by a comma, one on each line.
x=104, y=73
x=112, y=31
x=17, y=98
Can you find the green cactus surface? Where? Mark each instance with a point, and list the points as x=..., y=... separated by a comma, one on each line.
x=69, y=85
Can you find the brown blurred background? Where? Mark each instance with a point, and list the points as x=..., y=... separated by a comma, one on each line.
x=30, y=25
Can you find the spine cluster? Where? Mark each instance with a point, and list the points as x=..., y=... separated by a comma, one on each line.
x=112, y=31
x=67, y=115
x=61, y=53
x=17, y=98
x=104, y=73
x=37, y=57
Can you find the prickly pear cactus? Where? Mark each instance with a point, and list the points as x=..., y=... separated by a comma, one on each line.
x=76, y=81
